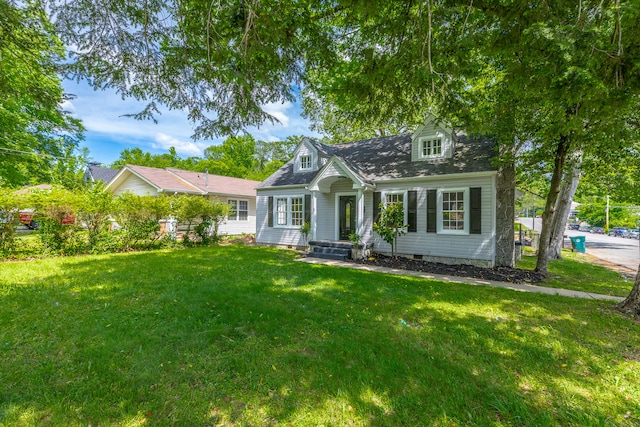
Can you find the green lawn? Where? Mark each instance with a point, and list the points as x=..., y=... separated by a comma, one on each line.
x=575, y=271
x=246, y=336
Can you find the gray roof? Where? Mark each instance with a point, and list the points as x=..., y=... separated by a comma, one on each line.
x=388, y=158
x=98, y=173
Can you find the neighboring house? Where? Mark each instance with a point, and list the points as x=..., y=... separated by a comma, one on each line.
x=446, y=182
x=94, y=172
x=237, y=192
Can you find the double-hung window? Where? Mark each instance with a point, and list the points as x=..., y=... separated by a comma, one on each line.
x=453, y=211
x=239, y=210
x=289, y=211
x=305, y=162
x=431, y=147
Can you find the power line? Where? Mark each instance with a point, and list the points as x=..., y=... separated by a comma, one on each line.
x=31, y=153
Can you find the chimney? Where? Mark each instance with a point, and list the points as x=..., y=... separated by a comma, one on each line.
x=206, y=177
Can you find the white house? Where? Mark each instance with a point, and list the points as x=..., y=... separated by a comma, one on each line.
x=446, y=182
x=237, y=192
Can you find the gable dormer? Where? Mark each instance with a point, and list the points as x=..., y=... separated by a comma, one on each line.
x=306, y=157
x=432, y=142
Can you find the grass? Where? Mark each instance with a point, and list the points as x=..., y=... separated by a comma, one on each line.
x=246, y=336
x=575, y=271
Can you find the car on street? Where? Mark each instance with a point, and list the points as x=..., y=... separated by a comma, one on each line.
x=584, y=228
x=618, y=231
x=631, y=234
x=597, y=230
x=574, y=226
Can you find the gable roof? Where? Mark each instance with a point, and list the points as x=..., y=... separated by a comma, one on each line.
x=171, y=180
x=98, y=173
x=389, y=158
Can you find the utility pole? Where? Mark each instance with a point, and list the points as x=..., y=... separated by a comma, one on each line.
x=607, y=214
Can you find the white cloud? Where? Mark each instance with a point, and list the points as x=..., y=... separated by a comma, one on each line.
x=278, y=110
x=188, y=148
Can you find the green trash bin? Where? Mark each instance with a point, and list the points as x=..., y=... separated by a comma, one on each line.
x=577, y=243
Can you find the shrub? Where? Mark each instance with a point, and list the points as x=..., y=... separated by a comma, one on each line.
x=139, y=216
x=55, y=212
x=9, y=219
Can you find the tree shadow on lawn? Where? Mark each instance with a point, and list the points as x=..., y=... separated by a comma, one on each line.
x=239, y=335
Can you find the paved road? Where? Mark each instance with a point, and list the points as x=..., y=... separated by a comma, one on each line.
x=617, y=250
x=625, y=252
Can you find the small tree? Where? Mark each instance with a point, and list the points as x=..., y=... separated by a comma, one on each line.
x=391, y=224
x=305, y=229
x=55, y=212
x=94, y=212
x=205, y=214
x=9, y=219
x=139, y=217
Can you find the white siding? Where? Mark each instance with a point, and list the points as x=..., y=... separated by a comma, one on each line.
x=276, y=235
x=440, y=245
x=430, y=129
x=135, y=185
x=233, y=227
x=305, y=150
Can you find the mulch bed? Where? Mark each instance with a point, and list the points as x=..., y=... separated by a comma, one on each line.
x=501, y=274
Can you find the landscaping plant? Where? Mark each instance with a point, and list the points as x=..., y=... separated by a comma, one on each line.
x=391, y=224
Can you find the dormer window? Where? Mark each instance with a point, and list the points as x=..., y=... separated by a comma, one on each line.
x=431, y=147
x=305, y=162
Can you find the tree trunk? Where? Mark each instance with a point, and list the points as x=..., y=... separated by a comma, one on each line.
x=505, y=213
x=542, y=266
x=631, y=305
x=563, y=206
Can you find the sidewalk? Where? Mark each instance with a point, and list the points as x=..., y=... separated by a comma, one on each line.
x=468, y=280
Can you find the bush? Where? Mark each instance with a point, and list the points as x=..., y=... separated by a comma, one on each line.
x=55, y=213
x=206, y=214
x=9, y=219
x=138, y=217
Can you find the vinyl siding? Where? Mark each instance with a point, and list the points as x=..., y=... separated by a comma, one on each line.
x=135, y=185
x=431, y=130
x=465, y=246
x=266, y=235
x=239, y=227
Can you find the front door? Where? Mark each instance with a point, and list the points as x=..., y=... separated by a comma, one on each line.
x=347, y=217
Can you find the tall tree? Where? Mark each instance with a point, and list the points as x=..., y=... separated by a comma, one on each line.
x=38, y=139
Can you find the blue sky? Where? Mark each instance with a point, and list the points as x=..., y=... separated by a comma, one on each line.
x=108, y=132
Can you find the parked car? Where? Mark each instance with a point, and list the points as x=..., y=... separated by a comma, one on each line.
x=26, y=218
x=618, y=231
x=584, y=228
x=597, y=230
x=574, y=226
x=631, y=234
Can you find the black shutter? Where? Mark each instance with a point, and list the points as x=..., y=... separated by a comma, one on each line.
x=270, y=212
x=307, y=208
x=376, y=206
x=412, y=211
x=431, y=210
x=475, y=200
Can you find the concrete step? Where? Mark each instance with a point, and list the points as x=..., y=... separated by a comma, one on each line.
x=328, y=256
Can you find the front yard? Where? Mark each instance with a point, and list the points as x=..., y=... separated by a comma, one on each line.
x=246, y=336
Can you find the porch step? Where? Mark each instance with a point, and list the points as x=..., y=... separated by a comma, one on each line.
x=331, y=244
x=327, y=256
x=330, y=250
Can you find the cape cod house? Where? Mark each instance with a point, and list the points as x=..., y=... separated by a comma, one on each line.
x=239, y=193
x=446, y=183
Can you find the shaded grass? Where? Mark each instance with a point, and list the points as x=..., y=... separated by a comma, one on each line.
x=246, y=336
x=576, y=272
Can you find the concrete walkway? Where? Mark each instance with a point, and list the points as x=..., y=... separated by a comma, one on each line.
x=467, y=280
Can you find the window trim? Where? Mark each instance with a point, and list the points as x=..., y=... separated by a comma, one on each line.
x=288, y=211
x=405, y=201
x=427, y=138
x=301, y=165
x=439, y=211
x=237, y=211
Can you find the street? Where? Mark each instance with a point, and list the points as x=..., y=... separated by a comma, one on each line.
x=625, y=252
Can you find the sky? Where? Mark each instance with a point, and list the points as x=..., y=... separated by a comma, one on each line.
x=108, y=132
